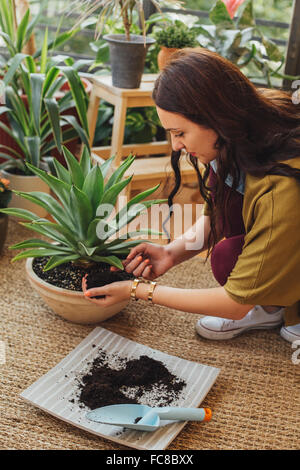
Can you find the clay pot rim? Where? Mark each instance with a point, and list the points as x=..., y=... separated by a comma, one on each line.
x=47, y=285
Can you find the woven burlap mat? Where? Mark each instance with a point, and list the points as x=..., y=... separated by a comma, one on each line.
x=255, y=400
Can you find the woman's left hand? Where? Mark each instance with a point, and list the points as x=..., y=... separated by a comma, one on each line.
x=113, y=293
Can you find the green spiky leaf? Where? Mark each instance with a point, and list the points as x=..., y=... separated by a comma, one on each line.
x=82, y=211
x=57, y=260
x=110, y=196
x=53, y=113
x=36, y=243
x=74, y=168
x=38, y=253
x=85, y=161
x=93, y=187
x=112, y=260
x=22, y=214
x=61, y=172
x=60, y=188
x=106, y=165
x=119, y=172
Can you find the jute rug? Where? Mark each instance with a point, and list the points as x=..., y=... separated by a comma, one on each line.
x=255, y=400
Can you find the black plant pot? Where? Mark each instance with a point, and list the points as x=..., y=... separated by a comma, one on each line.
x=3, y=230
x=127, y=58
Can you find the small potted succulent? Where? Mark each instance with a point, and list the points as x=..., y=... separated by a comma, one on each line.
x=85, y=234
x=172, y=37
x=5, y=196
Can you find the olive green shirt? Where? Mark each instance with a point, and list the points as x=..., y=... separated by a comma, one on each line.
x=267, y=271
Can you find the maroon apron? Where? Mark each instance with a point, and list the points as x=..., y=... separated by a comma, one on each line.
x=225, y=253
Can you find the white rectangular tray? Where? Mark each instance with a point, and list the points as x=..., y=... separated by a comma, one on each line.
x=54, y=390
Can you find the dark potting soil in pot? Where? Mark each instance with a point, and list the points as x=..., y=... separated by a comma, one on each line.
x=69, y=275
x=16, y=171
x=112, y=380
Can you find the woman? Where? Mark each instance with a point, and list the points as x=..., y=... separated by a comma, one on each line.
x=248, y=140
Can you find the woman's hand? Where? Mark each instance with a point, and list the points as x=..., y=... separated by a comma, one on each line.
x=112, y=293
x=148, y=261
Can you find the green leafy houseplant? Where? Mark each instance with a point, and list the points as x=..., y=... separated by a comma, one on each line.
x=241, y=41
x=81, y=227
x=176, y=36
x=171, y=37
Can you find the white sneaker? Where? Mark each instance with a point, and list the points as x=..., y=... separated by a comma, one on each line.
x=290, y=333
x=222, y=328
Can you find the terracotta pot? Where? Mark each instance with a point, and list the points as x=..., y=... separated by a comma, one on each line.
x=3, y=230
x=26, y=184
x=164, y=56
x=69, y=304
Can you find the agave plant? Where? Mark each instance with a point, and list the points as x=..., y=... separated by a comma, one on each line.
x=82, y=230
x=38, y=121
x=40, y=118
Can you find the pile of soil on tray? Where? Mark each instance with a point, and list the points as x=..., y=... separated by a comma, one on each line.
x=143, y=380
x=69, y=275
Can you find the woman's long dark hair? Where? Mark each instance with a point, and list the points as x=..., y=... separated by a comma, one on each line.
x=257, y=128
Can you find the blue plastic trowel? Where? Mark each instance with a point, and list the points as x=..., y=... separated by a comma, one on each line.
x=145, y=418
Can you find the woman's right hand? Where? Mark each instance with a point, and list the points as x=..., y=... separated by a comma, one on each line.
x=148, y=260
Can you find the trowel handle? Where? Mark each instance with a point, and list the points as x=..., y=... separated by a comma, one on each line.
x=184, y=414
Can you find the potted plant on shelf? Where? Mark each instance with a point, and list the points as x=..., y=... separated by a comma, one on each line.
x=38, y=124
x=172, y=37
x=86, y=234
x=127, y=51
x=5, y=196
